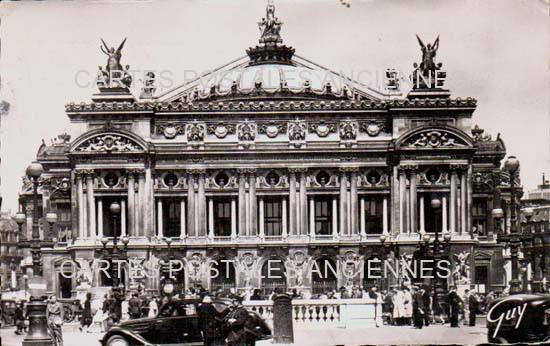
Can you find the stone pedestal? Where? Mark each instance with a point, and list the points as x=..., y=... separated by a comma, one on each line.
x=283, y=331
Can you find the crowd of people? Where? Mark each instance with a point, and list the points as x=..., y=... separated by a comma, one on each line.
x=407, y=306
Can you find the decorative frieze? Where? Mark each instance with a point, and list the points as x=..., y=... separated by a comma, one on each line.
x=435, y=139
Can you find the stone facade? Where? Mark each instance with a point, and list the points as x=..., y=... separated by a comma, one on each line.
x=303, y=172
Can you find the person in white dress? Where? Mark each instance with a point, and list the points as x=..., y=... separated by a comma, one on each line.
x=408, y=305
x=153, y=308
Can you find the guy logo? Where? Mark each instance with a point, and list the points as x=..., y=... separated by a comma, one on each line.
x=507, y=315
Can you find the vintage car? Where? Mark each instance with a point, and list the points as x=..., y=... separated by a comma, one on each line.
x=176, y=324
x=520, y=318
x=7, y=312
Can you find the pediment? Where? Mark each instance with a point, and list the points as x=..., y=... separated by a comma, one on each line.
x=434, y=138
x=109, y=142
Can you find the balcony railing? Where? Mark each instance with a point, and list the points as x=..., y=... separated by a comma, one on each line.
x=317, y=312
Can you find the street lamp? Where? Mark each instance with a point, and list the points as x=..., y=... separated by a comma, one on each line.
x=511, y=165
x=20, y=219
x=38, y=328
x=51, y=219
x=497, y=214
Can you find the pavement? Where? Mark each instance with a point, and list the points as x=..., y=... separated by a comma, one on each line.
x=317, y=336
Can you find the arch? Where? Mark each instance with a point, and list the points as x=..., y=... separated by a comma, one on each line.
x=434, y=137
x=324, y=275
x=108, y=140
x=273, y=276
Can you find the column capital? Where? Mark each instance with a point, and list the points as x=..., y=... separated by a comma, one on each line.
x=246, y=170
x=297, y=169
x=345, y=170
x=84, y=172
x=196, y=171
x=132, y=171
x=458, y=168
x=407, y=168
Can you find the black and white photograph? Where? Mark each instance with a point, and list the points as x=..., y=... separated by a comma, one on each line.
x=274, y=172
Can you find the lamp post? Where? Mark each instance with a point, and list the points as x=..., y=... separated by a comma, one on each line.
x=531, y=250
x=512, y=167
x=20, y=219
x=497, y=214
x=38, y=333
x=115, y=211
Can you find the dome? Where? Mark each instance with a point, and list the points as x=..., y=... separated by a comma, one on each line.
x=270, y=71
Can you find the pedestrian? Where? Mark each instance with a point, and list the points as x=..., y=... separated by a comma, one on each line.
x=387, y=308
x=419, y=308
x=489, y=298
x=454, y=303
x=428, y=303
x=210, y=323
x=236, y=321
x=466, y=306
x=153, y=308
x=398, y=307
x=408, y=305
x=54, y=314
x=87, y=318
x=474, y=307
x=134, y=306
x=19, y=318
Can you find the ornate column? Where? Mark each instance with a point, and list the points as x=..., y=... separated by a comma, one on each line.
x=233, y=218
x=91, y=204
x=312, y=218
x=354, y=203
x=385, y=215
x=402, y=199
x=453, y=199
x=362, y=217
x=142, y=204
x=445, y=225
x=253, y=218
x=191, y=230
x=463, y=202
x=470, y=200
x=413, y=199
x=202, y=205
x=131, y=203
x=242, y=202
x=261, y=212
x=100, y=218
x=303, y=203
x=285, y=218
x=123, y=221
x=292, y=202
x=343, y=202
x=183, y=222
x=211, y=218
x=334, y=217
x=422, y=220
x=160, y=226
x=81, y=209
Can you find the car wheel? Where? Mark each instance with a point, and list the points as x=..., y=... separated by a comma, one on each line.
x=117, y=340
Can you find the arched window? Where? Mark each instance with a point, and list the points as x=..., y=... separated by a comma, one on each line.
x=225, y=277
x=324, y=273
x=273, y=276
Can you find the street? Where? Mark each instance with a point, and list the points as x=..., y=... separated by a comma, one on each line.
x=435, y=334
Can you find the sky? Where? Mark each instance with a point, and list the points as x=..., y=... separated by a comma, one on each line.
x=496, y=51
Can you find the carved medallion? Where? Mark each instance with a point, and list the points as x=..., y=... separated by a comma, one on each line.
x=272, y=130
x=372, y=128
x=221, y=130
x=170, y=130
x=322, y=129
